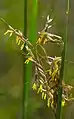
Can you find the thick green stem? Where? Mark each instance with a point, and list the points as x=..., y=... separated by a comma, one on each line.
x=33, y=21
x=25, y=79
x=27, y=71
x=58, y=111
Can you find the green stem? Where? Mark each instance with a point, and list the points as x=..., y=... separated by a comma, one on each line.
x=25, y=80
x=27, y=72
x=33, y=21
x=58, y=111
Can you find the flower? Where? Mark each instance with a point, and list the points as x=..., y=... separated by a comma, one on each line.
x=29, y=59
x=34, y=87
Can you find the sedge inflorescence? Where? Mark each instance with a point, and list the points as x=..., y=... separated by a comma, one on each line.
x=46, y=80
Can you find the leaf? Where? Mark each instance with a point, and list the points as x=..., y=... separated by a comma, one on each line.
x=22, y=46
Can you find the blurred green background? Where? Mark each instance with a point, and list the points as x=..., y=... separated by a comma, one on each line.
x=11, y=62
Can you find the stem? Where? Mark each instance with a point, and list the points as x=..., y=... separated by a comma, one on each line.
x=33, y=21
x=25, y=80
x=58, y=111
x=28, y=68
